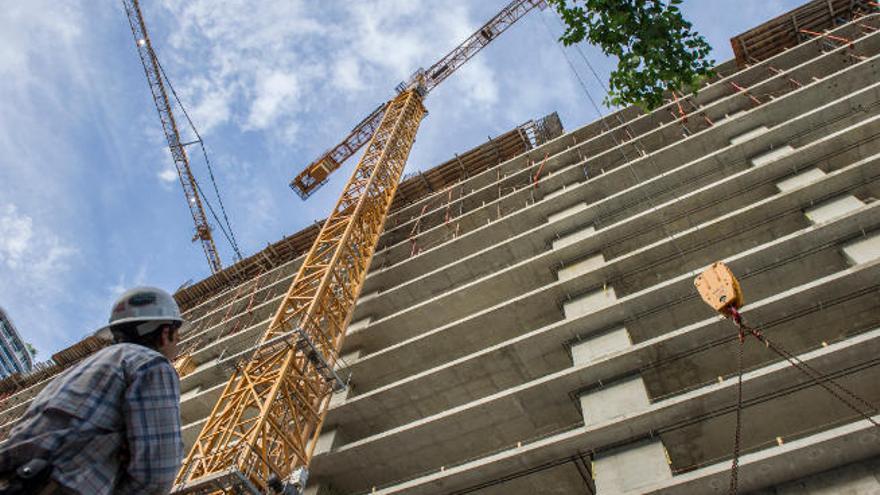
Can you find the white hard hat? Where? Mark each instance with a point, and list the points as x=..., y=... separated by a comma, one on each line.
x=150, y=306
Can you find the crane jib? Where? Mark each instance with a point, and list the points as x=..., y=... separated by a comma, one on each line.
x=315, y=174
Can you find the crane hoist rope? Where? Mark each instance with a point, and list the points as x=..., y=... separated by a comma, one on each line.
x=263, y=430
x=720, y=289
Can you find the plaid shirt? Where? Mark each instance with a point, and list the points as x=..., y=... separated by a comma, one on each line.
x=109, y=425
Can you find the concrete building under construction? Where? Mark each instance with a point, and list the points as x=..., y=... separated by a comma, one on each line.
x=530, y=325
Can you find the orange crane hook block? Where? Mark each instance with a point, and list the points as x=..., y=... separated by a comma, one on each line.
x=719, y=288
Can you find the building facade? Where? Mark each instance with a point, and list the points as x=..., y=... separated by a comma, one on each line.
x=534, y=328
x=14, y=354
x=531, y=326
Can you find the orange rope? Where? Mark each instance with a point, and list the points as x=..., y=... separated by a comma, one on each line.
x=540, y=169
x=782, y=73
x=829, y=36
x=448, y=205
x=415, y=230
x=681, y=111
x=740, y=89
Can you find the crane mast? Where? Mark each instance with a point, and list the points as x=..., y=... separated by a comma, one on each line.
x=262, y=432
x=172, y=134
x=315, y=174
x=268, y=418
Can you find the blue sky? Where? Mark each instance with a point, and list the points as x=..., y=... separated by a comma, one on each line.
x=89, y=202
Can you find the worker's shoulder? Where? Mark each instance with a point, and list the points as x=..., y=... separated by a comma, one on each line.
x=131, y=357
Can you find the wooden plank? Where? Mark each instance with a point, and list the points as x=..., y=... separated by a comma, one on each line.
x=783, y=32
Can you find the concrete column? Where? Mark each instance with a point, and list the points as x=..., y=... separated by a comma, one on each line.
x=615, y=401
x=357, y=326
x=559, y=191
x=189, y=394
x=339, y=397
x=631, y=469
x=590, y=302
x=349, y=359
x=571, y=210
x=573, y=237
x=863, y=250
x=860, y=478
x=751, y=134
x=328, y=440
x=597, y=347
x=772, y=155
x=800, y=179
x=728, y=117
x=319, y=489
x=580, y=267
x=833, y=208
x=628, y=469
x=367, y=297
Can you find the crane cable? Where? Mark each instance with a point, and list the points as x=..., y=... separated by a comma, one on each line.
x=841, y=393
x=635, y=140
x=230, y=235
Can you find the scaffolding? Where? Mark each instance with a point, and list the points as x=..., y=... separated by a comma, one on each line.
x=795, y=27
x=414, y=188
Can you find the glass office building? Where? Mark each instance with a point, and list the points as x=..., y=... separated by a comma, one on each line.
x=14, y=355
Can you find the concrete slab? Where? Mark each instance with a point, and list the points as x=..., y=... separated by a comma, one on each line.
x=591, y=438
x=750, y=134
x=793, y=460
x=631, y=469
x=800, y=179
x=615, y=400
x=772, y=155
x=863, y=250
x=833, y=208
x=598, y=346
x=516, y=312
x=529, y=347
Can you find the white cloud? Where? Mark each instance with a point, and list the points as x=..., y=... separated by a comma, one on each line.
x=476, y=83
x=46, y=83
x=27, y=27
x=16, y=233
x=347, y=74
x=210, y=103
x=286, y=63
x=168, y=175
x=386, y=34
x=276, y=95
x=254, y=61
x=32, y=255
x=123, y=283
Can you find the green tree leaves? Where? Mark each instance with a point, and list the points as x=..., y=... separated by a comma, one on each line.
x=655, y=46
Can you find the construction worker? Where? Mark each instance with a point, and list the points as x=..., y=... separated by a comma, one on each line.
x=111, y=424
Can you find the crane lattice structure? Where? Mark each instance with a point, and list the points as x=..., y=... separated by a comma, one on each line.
x=172, y=135
x=315, y=174
x=262, y=432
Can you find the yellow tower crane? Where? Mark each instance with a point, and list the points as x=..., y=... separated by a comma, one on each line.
x=261, y=434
